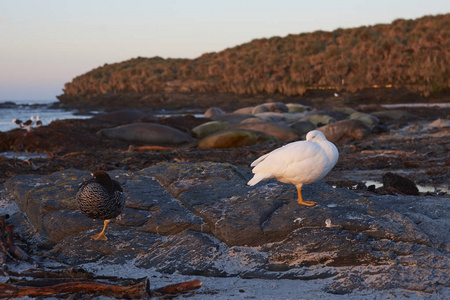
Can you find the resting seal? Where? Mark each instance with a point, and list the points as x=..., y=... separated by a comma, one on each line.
x=150, y=133
x=353, y=129
x=236, y=138
x=280, y=131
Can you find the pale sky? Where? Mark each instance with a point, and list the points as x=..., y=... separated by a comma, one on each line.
x=46, y=43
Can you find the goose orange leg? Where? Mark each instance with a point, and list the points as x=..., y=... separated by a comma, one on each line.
x=300, y=199
x=101, y=236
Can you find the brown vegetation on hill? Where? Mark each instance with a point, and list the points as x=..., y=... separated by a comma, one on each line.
x=412, y=54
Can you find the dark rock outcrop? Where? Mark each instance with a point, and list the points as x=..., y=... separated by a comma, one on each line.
x=202, y=218
x=400, y=184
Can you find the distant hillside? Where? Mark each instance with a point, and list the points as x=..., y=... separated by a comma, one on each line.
x=412, y=54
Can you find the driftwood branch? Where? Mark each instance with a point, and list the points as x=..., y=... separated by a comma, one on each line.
x=128, y=288
x=71, y=280
x=72, y=154
x=8, y=249
x=149, y=148
x=179, y=287
x=139, y=290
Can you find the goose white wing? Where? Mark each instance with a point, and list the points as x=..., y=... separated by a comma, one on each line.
x=275, y=163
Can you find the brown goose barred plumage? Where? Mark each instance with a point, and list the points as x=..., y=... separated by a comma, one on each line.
x=101, y=198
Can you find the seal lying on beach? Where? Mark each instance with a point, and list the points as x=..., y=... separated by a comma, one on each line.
x=236, y=138
x=353, y=129
x=150, y=133
x=280, y=131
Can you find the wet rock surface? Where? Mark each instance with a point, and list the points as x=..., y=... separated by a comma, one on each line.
x=202, y=219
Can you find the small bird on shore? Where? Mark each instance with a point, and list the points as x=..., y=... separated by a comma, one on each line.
x=28, y=123
x=38, y=122
x=101, y=198
x=298, y=163
x=18, y=122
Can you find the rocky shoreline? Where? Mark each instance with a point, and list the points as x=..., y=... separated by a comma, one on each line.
x=401, y=140
x=190, y=212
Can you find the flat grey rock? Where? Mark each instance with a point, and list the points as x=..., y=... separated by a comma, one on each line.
x=202, y=219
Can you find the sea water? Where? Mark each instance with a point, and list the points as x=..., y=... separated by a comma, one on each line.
x=24, y=109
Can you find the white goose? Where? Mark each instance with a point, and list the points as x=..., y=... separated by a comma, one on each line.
x=298, y=163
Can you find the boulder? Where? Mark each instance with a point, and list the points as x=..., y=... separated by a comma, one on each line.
x=277, y=130
x=149, y=133
x=352, y=129
x=399, y=183
x=236, y=138
x=209, y=128
x=49, y=202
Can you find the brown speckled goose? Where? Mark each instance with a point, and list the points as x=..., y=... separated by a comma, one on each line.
x=101, y=198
